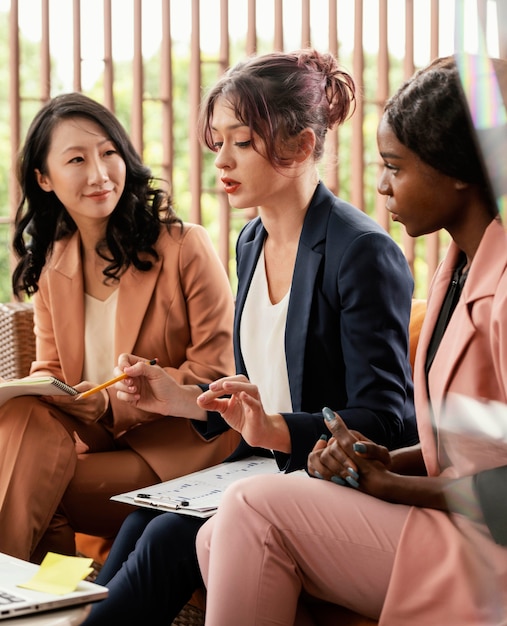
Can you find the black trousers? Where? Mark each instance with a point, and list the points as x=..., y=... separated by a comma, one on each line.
x=151, y=571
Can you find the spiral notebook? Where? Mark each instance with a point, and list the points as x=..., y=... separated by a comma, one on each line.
x=35, y=386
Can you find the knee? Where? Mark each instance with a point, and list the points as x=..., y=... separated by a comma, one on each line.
x=245, y=495
x=28, y=419
x=203, y=538
x=172, y=534
x=136, y=522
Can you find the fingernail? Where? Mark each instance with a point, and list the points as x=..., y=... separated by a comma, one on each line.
x=328, y=414
x=353, y=473
x=318, y=475
x=323, y=438
x=359, y=447
x=338, y=480
x=352, y=482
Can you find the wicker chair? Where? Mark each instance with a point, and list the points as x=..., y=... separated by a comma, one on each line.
x=17, y=344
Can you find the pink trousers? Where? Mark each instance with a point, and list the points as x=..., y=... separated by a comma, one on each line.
x=277, y=537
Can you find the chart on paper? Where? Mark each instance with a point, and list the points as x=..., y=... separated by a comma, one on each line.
x=198, y=494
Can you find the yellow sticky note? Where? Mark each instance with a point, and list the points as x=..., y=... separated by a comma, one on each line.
x=59, y=574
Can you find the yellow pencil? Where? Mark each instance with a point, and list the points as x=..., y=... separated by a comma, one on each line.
x=108, y=383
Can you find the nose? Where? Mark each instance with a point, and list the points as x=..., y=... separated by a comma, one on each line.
x=383, y=185
x=223, y=158
x=97, y=172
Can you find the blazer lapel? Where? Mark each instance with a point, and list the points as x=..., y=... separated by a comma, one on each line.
x=250, y=252
x=308, y=260
x=66, y=298
x=482, y=281
x=425, y=423
x=134, y=296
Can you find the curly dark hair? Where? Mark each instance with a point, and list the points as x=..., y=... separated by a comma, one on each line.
x=41, y=219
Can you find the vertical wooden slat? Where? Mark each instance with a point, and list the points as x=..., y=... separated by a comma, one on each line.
x=306, y=39
x=251, y=33
x=331, y=164
x=76, y=44
x=433, y=240
x=278, y=33
x=408, y=70
x=195, y=173
x=383, y=66
x=166, y=95
x=45, y=57
x=14, y=113
x=224, y=212
x=357, y=147
x=108, y=56
x=136, y=131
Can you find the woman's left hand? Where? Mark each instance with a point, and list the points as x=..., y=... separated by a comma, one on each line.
x=86, y=410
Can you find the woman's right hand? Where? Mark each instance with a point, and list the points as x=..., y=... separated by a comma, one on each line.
x=151, y=388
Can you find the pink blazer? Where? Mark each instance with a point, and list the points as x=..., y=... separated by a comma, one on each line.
x=448, y=570
x=181, y=311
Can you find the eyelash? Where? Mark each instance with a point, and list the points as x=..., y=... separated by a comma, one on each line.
x=80, y=159
x=391, y=167
x=239, y=144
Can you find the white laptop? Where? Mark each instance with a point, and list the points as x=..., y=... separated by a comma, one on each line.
x=16, y=601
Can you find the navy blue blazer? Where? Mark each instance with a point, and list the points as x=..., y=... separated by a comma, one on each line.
x=346, y=336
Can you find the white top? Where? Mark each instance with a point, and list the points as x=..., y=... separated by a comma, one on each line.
x=99, y=357
x=262, y=336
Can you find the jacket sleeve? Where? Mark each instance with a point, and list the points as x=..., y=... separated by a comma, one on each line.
x=373, y=288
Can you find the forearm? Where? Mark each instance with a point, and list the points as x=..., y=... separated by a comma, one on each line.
x=271, y=433
x=429, y=492
x=444, y=494
x=185, y=404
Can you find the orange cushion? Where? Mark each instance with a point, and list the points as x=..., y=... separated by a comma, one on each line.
x=95, y=548
x=416, y=319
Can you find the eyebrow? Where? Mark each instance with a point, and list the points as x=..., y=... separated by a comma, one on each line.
x=101, y=143
x=231, y=127
x=390, y=155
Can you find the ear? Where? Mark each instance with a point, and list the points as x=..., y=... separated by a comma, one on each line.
x=43, y=180
x=305, y=146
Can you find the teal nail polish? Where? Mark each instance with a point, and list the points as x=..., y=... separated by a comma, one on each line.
x=359, y=447
x=338, y=480
x=353, y=473
x=318, y=475
x=352, y=482
x=328, y=414
x=323, y=438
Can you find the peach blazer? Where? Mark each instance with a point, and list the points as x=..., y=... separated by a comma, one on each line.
x=447, y=568
x=181, y=311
